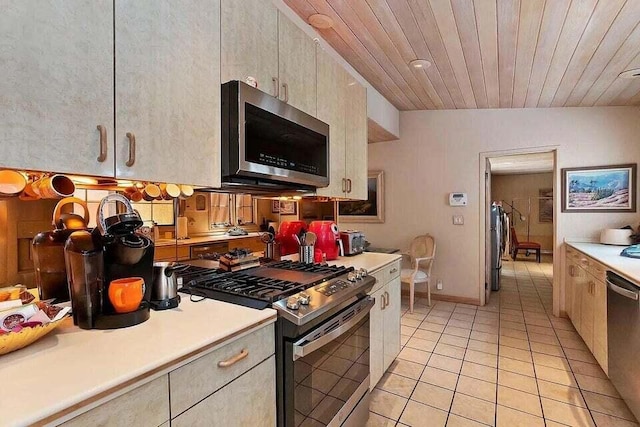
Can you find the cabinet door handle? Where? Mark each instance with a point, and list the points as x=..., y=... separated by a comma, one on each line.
x=382, y=302
x=233, y=360
x=344, y=185
x=387, y=298
x=132, y=149
x=348, y=185
x=276, y=86
x=285, y=89
x=103, y=143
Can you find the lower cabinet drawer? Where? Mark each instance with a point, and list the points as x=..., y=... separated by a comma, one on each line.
x=196, y=380
x=249, y=400
x=391, y=271
x=147, y=405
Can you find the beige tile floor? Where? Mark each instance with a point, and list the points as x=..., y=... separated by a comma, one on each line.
x=509, y=363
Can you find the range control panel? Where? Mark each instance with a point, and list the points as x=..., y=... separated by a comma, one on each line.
x=332, y=287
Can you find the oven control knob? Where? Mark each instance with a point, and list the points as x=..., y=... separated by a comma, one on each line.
x=304, y=299
x=352, y=277
x=293, y=303
x=363, y=272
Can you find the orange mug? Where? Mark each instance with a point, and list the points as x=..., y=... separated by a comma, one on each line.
x=126, y=294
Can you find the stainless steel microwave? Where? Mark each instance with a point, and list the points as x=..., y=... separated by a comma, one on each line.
x=270, y=146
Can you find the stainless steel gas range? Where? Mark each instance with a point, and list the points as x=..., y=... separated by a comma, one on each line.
x=322, y=334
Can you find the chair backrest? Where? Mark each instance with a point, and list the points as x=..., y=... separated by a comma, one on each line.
x=514, y=238
x=422, y=247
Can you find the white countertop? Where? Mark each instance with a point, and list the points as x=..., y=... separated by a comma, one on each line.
x=71, y=365
x=609, y=255
x=370, y=261
x=201, y=239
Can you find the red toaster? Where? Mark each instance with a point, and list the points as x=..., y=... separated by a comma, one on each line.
x=328, y=240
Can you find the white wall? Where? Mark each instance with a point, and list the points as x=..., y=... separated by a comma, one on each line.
x=439, y=152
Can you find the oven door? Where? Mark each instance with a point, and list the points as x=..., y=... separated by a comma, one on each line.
x=330, y=367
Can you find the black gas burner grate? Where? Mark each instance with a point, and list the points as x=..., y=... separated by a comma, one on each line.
x=251, y=287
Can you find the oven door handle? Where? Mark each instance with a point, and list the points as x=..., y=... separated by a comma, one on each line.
x=302, y=350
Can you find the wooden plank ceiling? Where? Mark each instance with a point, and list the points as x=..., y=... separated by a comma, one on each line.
x=488, y=53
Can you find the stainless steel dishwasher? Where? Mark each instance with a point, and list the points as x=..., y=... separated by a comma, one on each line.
x=623, y=330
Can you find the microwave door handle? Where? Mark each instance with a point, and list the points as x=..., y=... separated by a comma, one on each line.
x=622, y=291
x=302, y=350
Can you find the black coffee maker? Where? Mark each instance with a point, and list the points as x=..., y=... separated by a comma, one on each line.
x=126, y=254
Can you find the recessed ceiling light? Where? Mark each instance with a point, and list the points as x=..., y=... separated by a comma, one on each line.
x=420, y=63
x=320, y=21
x=630, y=74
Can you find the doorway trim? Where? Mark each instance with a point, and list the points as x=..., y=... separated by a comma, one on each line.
x=484, y=156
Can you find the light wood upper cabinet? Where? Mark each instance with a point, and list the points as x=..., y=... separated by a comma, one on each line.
x=249, y=43
x=168, y=90
x=56, y=85
x=297, y=66
x=356, y=140
x=342, y=103
x=332, y=82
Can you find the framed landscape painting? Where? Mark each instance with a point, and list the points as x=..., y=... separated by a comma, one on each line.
x=370, y=210
x=599, y=189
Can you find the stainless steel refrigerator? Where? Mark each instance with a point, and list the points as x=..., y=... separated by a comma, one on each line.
x=497, y=244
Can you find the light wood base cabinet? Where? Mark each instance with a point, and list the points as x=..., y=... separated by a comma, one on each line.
x=384, y=321
x=147, y=405
x=249, y=400
x=586, y=291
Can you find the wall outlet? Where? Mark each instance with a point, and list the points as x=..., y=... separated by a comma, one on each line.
x=439, y=285
x=458, y=220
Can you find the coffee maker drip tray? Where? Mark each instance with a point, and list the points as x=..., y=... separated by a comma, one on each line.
x=123, y=320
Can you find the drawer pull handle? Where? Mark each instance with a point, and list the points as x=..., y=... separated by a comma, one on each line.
x=235, y=359
x=103, y=143
x=393, y=270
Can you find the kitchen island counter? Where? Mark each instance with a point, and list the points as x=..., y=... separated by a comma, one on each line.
x=370, y=261
x=610, y=256
x=72, y=370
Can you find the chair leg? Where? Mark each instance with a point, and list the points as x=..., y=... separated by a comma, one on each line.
x=411, y=295
x=429, y=293
x=538, y=255
x=514, y=255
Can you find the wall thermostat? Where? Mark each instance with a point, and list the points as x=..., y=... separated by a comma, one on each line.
x=457, y=199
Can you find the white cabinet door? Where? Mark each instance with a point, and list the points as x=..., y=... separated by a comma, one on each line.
x=331, y=110
x=356, y=139
x=376, y=339
x=392, y=322
x=249, y=42
x=600, y=343
x=249, y=400
x=56, y=85
x=297, y=66
x=168, y=90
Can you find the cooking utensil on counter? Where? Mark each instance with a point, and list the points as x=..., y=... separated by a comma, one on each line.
x=164, y=293
x=48, y=250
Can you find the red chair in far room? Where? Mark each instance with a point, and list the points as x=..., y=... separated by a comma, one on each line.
x=527, y=246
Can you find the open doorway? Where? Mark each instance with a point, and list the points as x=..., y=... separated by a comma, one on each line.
x=519, y=228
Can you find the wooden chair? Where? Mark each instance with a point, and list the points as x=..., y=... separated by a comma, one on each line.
x=422, y=252
x=527, y=246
